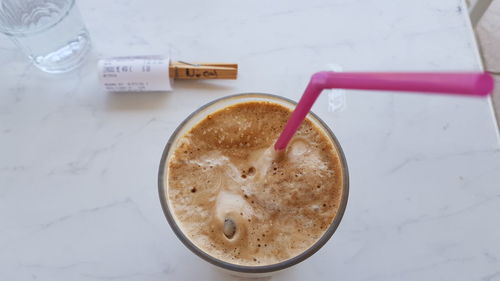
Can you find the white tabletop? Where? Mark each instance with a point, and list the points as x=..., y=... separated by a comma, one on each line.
x=78, y=166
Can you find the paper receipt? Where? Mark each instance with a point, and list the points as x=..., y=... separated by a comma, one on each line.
x=135, y=74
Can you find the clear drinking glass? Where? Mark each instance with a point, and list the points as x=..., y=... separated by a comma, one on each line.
x=50, y=32
x=200, y=114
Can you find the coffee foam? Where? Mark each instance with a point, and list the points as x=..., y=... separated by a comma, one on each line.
x=225, y=168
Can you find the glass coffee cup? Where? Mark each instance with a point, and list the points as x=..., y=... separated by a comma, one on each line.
x=199, y=115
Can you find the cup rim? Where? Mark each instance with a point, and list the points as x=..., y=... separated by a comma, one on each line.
x=245, y=268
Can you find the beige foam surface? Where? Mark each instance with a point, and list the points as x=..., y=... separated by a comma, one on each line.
x=225, y=169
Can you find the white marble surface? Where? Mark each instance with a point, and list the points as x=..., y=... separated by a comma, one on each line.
x=78, y=166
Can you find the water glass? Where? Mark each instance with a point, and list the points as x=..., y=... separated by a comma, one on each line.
x=50, y=32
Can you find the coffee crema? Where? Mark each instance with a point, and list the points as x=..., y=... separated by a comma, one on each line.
x=239, y=201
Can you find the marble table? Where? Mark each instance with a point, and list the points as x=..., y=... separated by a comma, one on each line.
x=78, y=166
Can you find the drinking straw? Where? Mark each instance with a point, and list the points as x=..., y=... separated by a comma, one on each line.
x=456, y=83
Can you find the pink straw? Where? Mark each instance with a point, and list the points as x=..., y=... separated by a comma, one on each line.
x=467, y=84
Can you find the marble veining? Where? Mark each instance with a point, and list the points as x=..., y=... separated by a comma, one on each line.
x=78, y=166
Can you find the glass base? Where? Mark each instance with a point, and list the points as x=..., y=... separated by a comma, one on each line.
x=65, y=59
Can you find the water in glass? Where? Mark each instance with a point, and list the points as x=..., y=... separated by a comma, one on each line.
x=50, y=32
